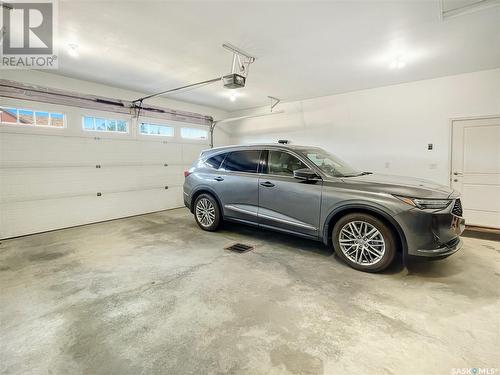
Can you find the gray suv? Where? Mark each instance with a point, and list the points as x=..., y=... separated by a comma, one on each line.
x=308, y=192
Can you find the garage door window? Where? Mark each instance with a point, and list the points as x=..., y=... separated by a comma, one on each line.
x=242, y=161
x=104, y=125
x=28, y=117
x=156, y=129
x=193, y=133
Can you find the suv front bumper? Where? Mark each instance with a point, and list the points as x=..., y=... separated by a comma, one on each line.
x=432, y=234
x=443, y=251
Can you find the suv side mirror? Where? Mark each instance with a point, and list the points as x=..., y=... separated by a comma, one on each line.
x=305, y=174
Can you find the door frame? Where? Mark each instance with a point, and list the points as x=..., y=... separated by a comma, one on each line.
x=452, y=121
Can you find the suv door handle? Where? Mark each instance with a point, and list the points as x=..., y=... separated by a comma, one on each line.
x=267, y=184
x=218, y=179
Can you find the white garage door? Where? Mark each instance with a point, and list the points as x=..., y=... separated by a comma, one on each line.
x=56, y=177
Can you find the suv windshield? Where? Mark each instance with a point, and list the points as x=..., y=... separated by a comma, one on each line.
x=330, y=164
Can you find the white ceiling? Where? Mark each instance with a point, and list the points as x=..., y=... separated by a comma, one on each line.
x=304, y=49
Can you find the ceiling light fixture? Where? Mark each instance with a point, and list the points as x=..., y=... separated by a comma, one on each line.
x=73, y=50
x=397, y=63
x=398, y=54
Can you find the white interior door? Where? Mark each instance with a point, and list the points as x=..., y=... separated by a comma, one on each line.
x=475, y=169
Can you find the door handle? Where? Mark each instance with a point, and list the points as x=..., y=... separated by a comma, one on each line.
x=267, y=184
x=457, y=173
x=218, y=179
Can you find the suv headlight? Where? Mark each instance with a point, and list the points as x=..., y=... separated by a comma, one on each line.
x=426, y=204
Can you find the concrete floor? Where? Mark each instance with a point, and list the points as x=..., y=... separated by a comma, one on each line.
x=154, y=294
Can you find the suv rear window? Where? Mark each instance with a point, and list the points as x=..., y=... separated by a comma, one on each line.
x=242, y=161
x=215, y=161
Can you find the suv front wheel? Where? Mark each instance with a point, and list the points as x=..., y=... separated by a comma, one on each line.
x=364, y=242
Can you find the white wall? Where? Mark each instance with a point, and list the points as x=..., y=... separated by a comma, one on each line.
x=221, y=136
x=386, y=129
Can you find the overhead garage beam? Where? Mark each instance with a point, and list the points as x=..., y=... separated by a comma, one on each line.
x=22, y=91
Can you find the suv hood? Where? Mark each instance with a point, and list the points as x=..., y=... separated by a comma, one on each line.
x=404, y=186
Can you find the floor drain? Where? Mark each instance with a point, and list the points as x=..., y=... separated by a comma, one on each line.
x=239, y=248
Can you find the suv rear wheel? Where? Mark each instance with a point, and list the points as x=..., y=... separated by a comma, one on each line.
x=364, y=242
x=207, y=212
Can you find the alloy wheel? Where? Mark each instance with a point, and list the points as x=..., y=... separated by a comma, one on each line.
x=362, y=243
x=205, y=212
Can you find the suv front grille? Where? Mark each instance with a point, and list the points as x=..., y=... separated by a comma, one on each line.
x=457, y=208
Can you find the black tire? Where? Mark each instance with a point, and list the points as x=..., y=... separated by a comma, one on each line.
x=385, y=232
x=211, y=226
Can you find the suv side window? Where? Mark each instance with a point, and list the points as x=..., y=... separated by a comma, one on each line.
x=242, y=161
x=215, y=161
x=283, y=163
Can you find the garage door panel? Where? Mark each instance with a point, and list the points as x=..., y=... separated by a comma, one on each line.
x=22, y=149
x=136, y=152
x=22, y=184
x=22, y=217
x=190, y=152
x=41, y=183
x=162, y=152
x=51, y=181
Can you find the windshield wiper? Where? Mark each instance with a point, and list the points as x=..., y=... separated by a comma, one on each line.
x=357, y=174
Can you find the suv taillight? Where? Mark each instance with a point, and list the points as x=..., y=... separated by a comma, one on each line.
x=186, y=173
